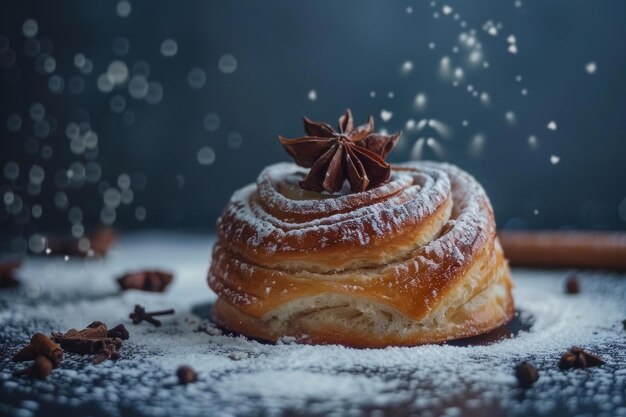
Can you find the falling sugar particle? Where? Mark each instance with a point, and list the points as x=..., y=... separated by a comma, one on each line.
x=421, y=101
x=477, y=145
x=446, y=9
x=312, y=95
x=120, y=46
x=554, y=159
x=409, y=10
x=155, y=93
x=535, y=212
x=140, y=213
x=169, y=48
x=465, y=123
x=227, y=64
x=196, y=78
x=591, y=67
x=406, y=67
x=431, y=45
x=533, y=142
x=513, y=49
x=234, y=140
x=372, y=94
x=211, y=122
x=14, y=122
x=524, y=92
x=385, y=115
x=510, y=117
x=206, y=155
x=391, y=94
x=123, y=8
x=30, y=28
x=552, y=125
x=138, y=87
x=117, y=72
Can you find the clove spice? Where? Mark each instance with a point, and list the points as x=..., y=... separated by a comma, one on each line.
x=526, y=374
x=40, y=345
x=186, y=375
x=42, y=368
x=148, y=280
x=576, y=357
x=140, y=314
x=571, y=285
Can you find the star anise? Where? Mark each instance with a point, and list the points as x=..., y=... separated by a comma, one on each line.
x=356, y=155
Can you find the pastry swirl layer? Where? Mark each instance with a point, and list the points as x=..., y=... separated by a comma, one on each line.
x=413, y=261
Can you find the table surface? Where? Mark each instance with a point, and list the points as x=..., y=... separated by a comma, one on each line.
x=242, y=377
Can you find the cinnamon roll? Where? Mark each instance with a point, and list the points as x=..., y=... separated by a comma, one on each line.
x=413, y=261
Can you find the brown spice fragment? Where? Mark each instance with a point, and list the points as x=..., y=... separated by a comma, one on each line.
x=140, y=314
x=186, y=375
x=119, y=331
x=7, y=274
x=40, y=345
x=147, y=280
x=526, y=374
x=577, y=357
x=95, y=339
x=42, y=368
x=571, y=284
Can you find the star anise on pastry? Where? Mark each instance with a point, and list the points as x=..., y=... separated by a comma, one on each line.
x=334, y=156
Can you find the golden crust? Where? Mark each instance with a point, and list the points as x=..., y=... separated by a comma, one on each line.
x=414, y=261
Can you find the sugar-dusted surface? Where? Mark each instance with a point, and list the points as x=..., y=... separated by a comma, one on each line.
x=242, y=377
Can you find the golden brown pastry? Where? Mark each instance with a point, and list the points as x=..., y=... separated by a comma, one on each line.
x=413, y=261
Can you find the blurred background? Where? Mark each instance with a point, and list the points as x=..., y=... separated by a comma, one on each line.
x=146, y=114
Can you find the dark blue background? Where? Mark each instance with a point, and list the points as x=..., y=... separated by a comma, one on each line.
x=342, y=50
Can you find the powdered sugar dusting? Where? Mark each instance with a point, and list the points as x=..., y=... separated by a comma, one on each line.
x=242, y=377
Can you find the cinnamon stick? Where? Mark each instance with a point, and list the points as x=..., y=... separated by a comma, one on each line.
x=565, y=249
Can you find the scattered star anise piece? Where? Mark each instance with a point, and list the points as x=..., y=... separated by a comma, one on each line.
x=356, y=155
x=526, y=374
x=576, y=357
x=7, y=276
x=95, y=339
x=148, y=280
x=140, y=314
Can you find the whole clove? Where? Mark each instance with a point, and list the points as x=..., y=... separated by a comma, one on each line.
x=148, y=280
x=40, y=345
x=42, y=368
x=108, y=352
x=186, y=375
x=577, y=357
x=526, y=374
x=7, y=274
x=140, y=314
